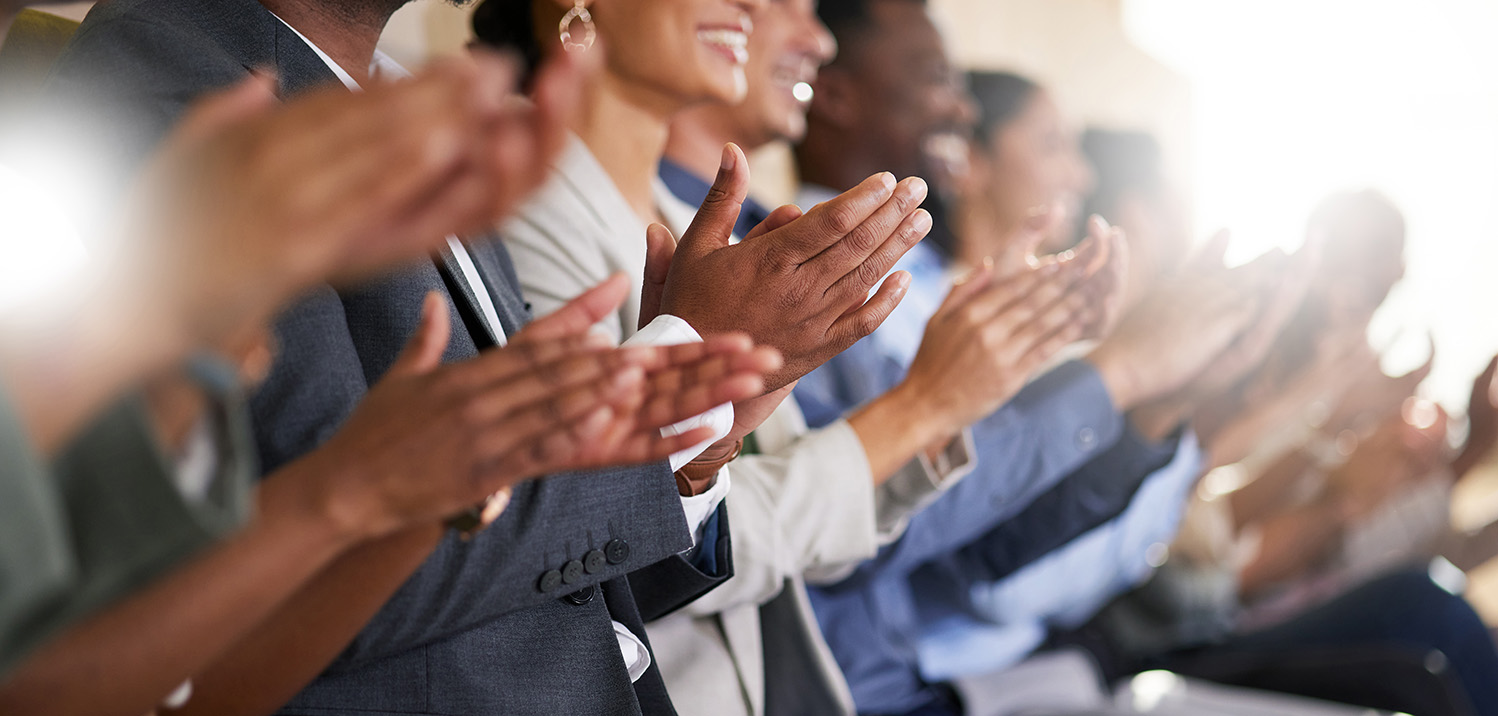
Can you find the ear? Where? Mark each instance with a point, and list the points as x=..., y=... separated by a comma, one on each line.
x=836, y=101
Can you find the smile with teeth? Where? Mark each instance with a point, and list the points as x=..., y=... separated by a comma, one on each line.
x=732, y=43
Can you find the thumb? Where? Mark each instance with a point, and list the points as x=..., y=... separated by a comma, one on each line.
x=660, y=248
x=423, y=353
x=713, y=225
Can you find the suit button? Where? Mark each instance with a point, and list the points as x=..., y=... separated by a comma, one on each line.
x=550, y=581
x=581, y=596
x=1086, y=438
x=595, y=561
x=572, y=571
x=616, y=551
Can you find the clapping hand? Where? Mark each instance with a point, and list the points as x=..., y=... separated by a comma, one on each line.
x=430, y=440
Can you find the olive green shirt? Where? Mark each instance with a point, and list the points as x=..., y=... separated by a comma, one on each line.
x=112, y=517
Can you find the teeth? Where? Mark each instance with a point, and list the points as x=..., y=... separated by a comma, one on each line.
x=733, y=40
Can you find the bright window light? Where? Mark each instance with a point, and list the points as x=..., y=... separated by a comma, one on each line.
x=1294, y=99
x=39, y=249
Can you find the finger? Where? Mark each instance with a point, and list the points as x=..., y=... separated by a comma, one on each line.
x=826, y=224
x=546, y=453
x=698, y=396
x=1061, y=317
x=646, y=447
x=851, y=253
x=777, y=218
x=254, y=95
x=973, y=284
x=496, y=399
x=557, y=414
x=1035, y=289
x=867, y=318
x=713, y=226
x=853, y=287
x=516, y=361
x=423, y=352
x=581, y=313
x=1024, y=241
x=558, y=90
x=660, y=246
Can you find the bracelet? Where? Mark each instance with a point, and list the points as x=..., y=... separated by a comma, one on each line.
x=695, y=477
x=473, y=520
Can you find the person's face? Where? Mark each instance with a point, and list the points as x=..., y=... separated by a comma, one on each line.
x=676, y=52
x=914, y=104
x=1034, y=161
x=788, y=46
x=1358, y=267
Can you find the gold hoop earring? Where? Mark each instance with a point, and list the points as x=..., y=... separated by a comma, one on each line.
x=579, y=12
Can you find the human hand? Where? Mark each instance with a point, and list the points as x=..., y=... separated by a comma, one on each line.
x=1284, y=292
x=989, y=337
x=1177, y=331
x=430, y=440
x=249, y=201
x=797, y=283
x=1405, y=447
x=1482, y=420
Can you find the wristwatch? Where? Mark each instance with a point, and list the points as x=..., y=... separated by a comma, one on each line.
x=696, y=477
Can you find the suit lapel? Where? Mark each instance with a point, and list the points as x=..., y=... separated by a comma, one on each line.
x=300, y=68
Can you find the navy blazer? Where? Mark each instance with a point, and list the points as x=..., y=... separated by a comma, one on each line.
x=482, y=627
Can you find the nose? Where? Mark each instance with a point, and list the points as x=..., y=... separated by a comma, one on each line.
x=818, y=39
x=750, y=6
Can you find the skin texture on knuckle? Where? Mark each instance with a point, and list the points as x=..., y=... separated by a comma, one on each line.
x=839, y=219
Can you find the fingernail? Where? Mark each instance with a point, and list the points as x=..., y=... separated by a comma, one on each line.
x=921, y=222
x=888, y=180
x=912, y=188
x=728, y=158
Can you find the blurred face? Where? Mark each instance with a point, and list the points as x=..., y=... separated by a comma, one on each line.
x=789, y=44
x=1035, y=161
x=916, y=109
x=675, y=53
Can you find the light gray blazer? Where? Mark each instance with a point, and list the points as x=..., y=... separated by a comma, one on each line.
x=806, y=508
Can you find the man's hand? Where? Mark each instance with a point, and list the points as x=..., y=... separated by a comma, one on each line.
x=797, y=283
x=430, y=440
x=251, y=201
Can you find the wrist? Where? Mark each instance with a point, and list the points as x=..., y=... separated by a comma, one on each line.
x=1118, y=376
x=699, y=475
x=304, y=496
x=897, y=427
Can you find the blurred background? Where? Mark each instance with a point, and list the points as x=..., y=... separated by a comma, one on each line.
x=1263, y=107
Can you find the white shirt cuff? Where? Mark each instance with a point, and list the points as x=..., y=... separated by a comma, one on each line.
x=668, y=330
x=699, y=508
x=636, y=656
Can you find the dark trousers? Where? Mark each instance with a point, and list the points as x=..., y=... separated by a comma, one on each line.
x=1399, y=642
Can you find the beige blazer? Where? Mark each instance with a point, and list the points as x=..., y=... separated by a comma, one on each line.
x=806, y=508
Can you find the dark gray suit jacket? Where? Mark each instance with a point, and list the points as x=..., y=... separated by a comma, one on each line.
x=482, y=627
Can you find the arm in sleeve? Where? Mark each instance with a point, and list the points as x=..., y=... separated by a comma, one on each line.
x=1053, y=426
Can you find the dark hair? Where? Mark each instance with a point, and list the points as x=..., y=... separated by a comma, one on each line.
x=509, y=25
x=847, y=19
x=1001, y=96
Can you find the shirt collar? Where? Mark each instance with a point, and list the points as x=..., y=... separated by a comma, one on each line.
x=693, y=190
x=381, y=66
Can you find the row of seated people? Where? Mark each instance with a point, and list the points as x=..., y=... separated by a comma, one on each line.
x=917, y=522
